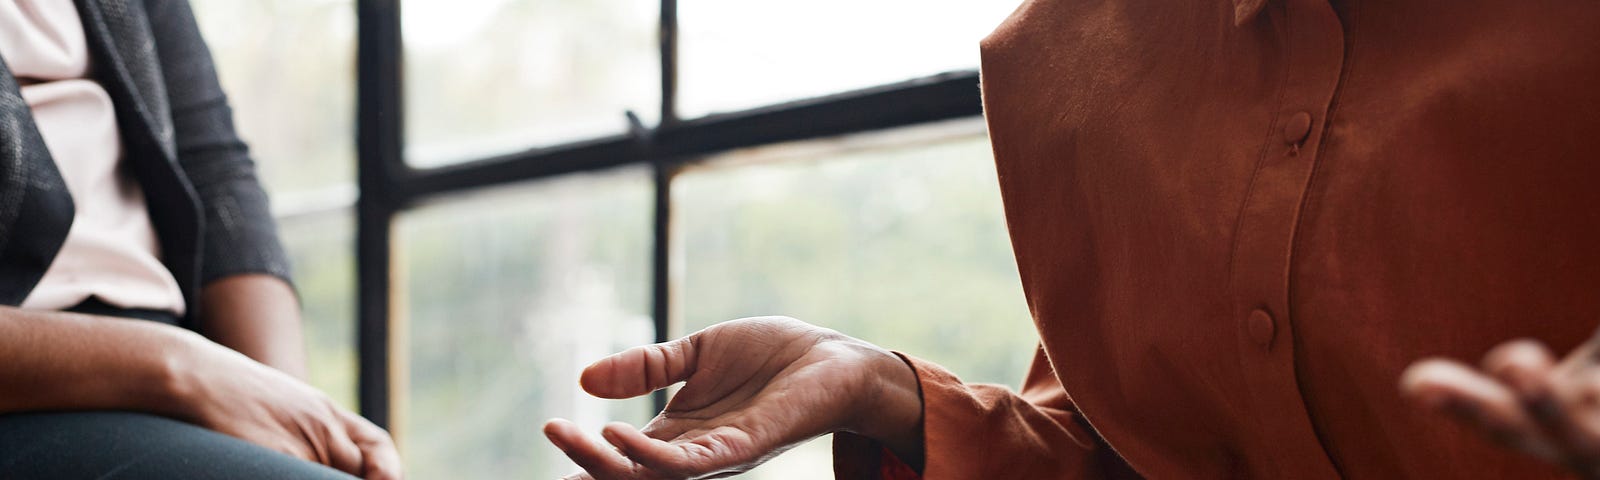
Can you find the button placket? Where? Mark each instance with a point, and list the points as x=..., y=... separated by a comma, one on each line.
x=1263, y=240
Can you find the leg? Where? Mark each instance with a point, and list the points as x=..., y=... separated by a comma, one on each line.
x=132, y=446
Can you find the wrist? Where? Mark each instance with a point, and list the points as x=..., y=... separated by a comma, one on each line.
x=176, y=388
x=894, y=416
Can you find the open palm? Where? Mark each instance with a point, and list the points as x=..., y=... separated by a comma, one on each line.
x=754, y=388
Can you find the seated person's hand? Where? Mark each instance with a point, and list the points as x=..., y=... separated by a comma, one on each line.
x=1523, y=398
x=225, y=391
x=754, y=388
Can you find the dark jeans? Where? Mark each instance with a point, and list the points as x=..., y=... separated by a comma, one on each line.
x=133, y=446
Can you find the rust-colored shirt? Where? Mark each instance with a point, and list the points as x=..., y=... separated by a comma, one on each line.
x=1238, y=221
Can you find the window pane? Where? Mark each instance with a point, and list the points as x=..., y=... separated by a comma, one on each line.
x=901, y=242
x=289, y=69
x=486, y=77
x=506, y=297
x=322, y=249
x=739, y=54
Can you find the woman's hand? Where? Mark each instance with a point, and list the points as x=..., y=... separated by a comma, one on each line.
x=1523, y=398
x=755, y=387
x=220, y=389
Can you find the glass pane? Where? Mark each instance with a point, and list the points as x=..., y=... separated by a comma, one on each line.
x=737, y=54
x=506, y=297
x=901, y=242
x=486, y=77
x=289, y=69
x=322, y=249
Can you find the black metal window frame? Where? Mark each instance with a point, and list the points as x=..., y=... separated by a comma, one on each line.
x=389, y=186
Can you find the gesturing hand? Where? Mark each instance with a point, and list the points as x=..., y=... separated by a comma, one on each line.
x=227, y=392
x=1522, y=398
x=755, y=387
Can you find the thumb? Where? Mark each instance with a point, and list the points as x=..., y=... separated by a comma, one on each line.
x=641, y=370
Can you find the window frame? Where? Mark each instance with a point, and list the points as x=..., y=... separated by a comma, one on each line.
x=387, y=185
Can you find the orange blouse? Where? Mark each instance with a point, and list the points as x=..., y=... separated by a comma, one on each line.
x=1238, y=221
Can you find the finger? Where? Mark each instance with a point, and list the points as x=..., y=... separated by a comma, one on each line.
x=652, y=453
x=1477, y=400
x=1565, y=405
x=1577, y=442
x=1529, y=369
x=597, y=460
x=1587, y=353
x=343, y=454
x=1522, y=365
x=380, y=460
x=720, y=450
x=640, y=370
x=667, y=428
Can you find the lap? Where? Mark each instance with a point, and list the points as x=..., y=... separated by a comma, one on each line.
x=132, y=446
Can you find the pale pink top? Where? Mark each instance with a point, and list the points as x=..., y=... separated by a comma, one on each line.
x=111, y=251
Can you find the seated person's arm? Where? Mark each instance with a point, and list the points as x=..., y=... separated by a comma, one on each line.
x=55, y=361
x=756, y=387
x=257, y=315
x=66, y=361
x=247, y=303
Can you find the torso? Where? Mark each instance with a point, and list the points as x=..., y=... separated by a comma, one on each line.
x=1159, y=196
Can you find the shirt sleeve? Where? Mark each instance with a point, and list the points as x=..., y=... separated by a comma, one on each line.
x=240, y=235
x=973, y=431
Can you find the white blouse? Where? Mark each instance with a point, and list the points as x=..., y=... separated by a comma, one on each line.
x=111, y=250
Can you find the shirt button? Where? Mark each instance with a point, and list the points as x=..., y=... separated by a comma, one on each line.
x=1261, y=327
x=1297, y=128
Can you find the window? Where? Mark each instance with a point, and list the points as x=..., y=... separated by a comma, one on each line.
x=741, y=54
x=543, y=182
x=321, y=247
x=507, y=295
x=489, y=77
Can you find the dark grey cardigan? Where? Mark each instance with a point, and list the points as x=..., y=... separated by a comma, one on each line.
x=208, y=208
